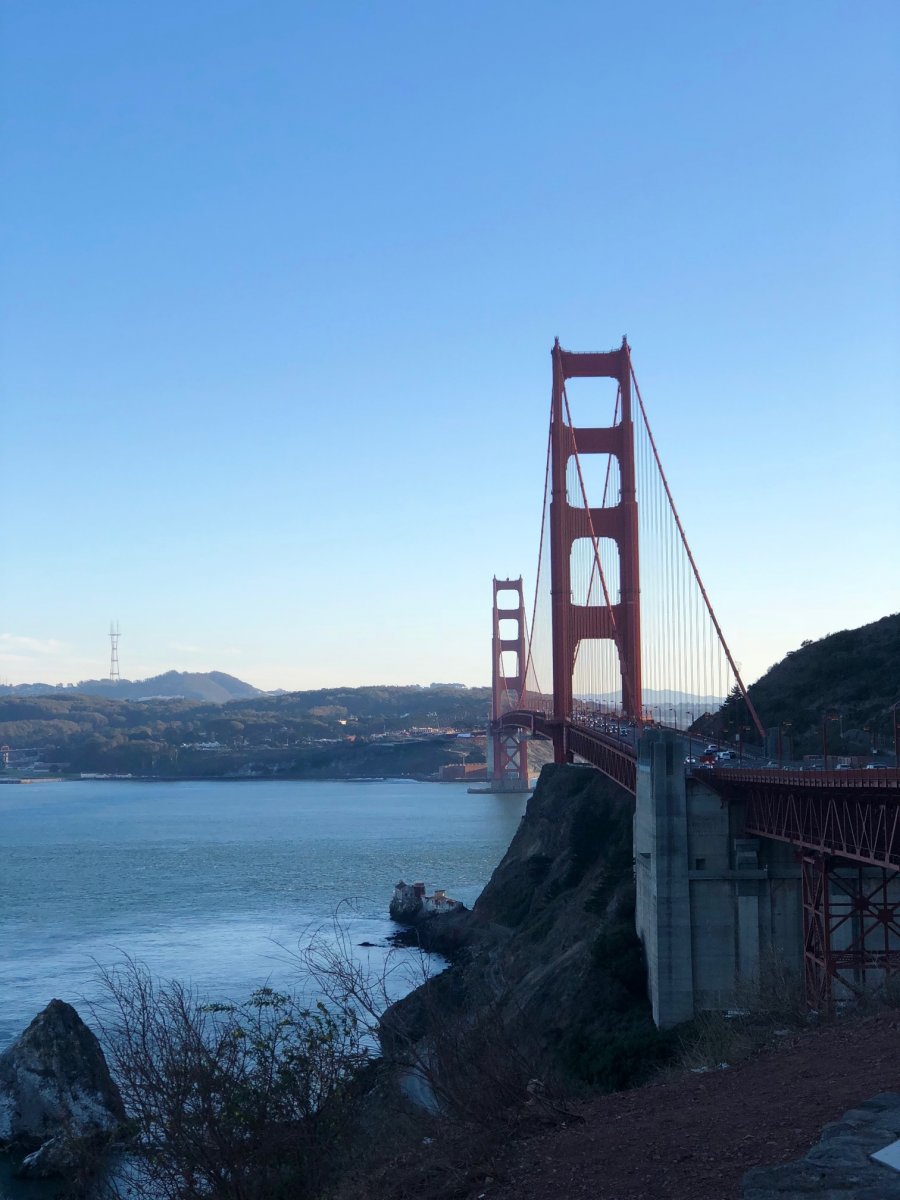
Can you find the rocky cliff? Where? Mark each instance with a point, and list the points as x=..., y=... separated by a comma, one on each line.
x=548, y=961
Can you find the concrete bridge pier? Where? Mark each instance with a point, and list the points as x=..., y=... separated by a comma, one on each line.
x=715, y=909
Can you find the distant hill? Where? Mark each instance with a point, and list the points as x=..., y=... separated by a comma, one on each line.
x=308, y=734
x=854, y=676
x=210, y=687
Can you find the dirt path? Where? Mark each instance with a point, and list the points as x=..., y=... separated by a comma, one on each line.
x=693, y=1138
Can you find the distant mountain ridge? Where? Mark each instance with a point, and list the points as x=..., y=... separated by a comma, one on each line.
x=211, y=687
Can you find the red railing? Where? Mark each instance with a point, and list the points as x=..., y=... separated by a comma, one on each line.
x=879, y=780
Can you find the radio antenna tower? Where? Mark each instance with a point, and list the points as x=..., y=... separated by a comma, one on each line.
x=114, y=652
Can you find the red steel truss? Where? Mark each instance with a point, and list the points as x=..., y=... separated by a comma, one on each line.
x=846, y=827
x=853, y=815
x=851, y=928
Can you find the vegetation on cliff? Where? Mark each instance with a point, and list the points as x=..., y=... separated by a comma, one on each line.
x=851, y=677
x=552, y=964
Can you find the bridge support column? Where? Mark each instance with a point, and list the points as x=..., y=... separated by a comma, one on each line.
x=663, y=908
x=718, y=912
x=561, y=751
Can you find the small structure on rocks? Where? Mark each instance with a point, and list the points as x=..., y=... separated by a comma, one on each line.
x=57, y=1098
x=409, y=903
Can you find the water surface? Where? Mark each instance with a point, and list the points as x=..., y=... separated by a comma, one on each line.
x=205, y=881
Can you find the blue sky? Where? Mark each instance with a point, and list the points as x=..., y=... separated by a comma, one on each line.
x=281, y=280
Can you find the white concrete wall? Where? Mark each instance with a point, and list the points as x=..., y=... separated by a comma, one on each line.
x=714, y=908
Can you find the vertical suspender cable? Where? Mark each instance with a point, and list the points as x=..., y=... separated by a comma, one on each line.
x=687, y=548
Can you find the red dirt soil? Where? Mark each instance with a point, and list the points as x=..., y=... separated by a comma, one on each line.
x=692, y=1138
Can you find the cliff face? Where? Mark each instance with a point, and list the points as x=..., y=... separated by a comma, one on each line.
x=549, y=952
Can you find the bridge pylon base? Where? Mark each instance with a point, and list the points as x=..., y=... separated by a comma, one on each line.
x=507, y=761
x=851, y=929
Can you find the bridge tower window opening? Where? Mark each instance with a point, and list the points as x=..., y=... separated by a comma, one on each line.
x=508, y=627
x=510, y=670
x=597, y=685
x=593, y=479
x=592, y=399
x=594, y=572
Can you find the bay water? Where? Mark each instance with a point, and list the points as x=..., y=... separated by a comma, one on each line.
x=215, y=884
x=218, y=884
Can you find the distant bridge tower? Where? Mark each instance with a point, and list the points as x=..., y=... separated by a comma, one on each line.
x=114, y=652
x=621, y=621
x=508, y=749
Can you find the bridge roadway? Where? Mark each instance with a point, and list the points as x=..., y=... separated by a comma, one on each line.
x=853, y=814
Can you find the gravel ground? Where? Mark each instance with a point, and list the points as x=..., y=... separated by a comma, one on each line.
x=694, y=1136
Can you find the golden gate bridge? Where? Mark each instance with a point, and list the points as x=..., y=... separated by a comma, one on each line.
x=620, y=613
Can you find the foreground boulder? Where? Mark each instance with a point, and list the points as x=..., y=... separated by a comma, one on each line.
x=55, y=1089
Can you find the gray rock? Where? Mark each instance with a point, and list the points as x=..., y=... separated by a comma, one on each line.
x=882, y=1102
x=57, y=1157
x=54, y=1080
x=848, y=1151
x=799, y=1179
x=838, y=1167
x=857, y=1116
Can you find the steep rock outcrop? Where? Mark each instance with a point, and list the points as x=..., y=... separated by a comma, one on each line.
x=550, y=949
x=54, y=1083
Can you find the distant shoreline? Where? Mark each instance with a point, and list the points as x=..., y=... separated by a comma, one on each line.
x=230, y=779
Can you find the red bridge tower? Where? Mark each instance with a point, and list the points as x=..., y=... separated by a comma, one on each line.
x=509, y=758
x=621, y=621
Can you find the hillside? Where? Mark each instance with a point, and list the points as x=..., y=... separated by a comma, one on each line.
x=545, y=1006
x=328, y=733
x=853, y=676
x=551, y=958
x=212, y=687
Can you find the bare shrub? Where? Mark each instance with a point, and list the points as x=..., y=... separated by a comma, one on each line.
x=466, y=1057
x=774, y=998
x=713, y=1040
x=264, y=1099
x=776, y=994
x=229, y=1101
